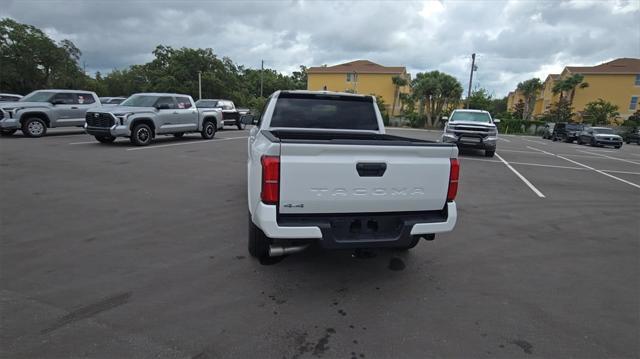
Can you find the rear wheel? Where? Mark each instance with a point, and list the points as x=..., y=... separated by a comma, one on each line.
x=617, y=147
x=208, y=130
x=105, y=139
x=34, y=127
x=7, y=132
x=141, y=135
x=258, y=241
x=489, y=153
x=579, y=141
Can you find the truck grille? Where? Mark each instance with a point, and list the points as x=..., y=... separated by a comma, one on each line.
x=474, y=129
x=99, y=119
x=1, y=114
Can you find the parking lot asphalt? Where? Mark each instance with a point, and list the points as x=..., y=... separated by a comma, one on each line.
x=117, y=251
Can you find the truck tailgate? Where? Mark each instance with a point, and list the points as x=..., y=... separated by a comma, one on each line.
x=355, y=178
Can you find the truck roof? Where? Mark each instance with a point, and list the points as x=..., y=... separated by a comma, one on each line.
x=63, y=91
x=323, y=93
x=161, y=94
x=469, y=110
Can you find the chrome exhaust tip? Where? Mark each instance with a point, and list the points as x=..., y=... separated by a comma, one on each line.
x=277, y=251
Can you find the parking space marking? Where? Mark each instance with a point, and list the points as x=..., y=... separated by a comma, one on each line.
x=526, y=181
x=528, y=164
x=504, y=139
x=540, y=142
x=588, y=167
x=83, y=143
x=185, y=143
x=613, y=158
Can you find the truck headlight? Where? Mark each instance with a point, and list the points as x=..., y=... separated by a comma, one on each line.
x=449, y=129
x=122, y=117
x=493, y=132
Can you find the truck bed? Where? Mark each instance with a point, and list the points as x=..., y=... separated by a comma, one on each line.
x=346, y=138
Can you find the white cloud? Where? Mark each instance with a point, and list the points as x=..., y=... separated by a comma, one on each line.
x=514, y=40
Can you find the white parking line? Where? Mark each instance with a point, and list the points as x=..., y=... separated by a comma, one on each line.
x=613, y=158
x=588, y=167
x=184, y=143
x=83, y=143
x=504, y=139
x=540, y=142
x=526, y=181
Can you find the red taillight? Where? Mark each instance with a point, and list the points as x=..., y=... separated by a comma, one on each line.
x=454, y=174
x=270, y=179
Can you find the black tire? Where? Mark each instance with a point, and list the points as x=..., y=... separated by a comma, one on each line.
x=617, y=147
x=593, y=143
x=489, y=153
x=208, y=130
x=105, y=139
x=628, y=141
x=141, y=135
x=7, y=132
x=579, y=141
x=258, y=241
x=34, y=127
x=241, y=126
x=554, y=138
x=178, y=135
x=568, y=140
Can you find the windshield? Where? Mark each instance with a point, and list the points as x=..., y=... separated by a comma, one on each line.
x=573, y=126
x=607, y=131
x=38, y=96
x=470, y=116
x=330, y=112
x=206, y=103
x=140, y=101
x=115, y=101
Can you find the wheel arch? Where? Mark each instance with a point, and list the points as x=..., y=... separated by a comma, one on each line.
x=145, y=120
x=38, y=114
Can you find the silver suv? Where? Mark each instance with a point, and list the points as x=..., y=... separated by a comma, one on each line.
x=43, y=109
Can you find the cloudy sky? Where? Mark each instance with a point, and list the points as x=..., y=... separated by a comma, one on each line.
x=514, y=40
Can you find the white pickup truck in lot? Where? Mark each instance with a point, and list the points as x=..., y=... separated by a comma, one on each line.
x=321, y=169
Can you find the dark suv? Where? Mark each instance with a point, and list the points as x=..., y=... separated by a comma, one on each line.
x=567, y=132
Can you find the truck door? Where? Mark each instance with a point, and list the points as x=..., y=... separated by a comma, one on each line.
x=62, y=111
x=187, y=115
x=167, y=117
x=83, y=101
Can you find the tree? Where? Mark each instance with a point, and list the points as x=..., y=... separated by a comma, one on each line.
x=398, y=82
x=518, y=109
x=498, y=107
x=383, y=108
x=435, y=91
x=569, y=84
x=561, y=111
x=480, y=100
x=600, y=112
x=529, y=90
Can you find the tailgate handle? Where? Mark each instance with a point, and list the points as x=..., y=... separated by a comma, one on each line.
x=371, y=169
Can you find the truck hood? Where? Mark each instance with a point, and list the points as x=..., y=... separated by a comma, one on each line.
x=607, y=135
x=472, y=123
x=24, y=104
x=127, y=109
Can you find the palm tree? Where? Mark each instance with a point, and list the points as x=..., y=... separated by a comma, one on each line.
x=530, y=90
x=398, y=81
x=569, y=84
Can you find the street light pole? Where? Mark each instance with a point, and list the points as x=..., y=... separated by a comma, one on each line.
x=199, y=85
x=473, y=66
x=261, y=77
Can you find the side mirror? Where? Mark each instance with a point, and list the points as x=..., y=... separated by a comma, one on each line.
x=496, y=120
x=163, y=106
x=248, y=120
x=445, y=118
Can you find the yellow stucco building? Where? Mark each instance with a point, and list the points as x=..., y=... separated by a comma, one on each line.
x=616, y=81
x=362, y=77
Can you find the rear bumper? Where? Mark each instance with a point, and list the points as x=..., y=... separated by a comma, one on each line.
x=113, y=131
x=486, y=143
x=355, y=231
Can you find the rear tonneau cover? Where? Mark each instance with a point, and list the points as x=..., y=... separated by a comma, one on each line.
x=347, y=138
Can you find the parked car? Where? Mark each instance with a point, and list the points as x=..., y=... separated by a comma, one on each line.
x=600, y=136
x=473, y=129
x=143, y=116
x=43, y=109
x=632, y=136
x=111, y=100
x=322, y=170
x=547, y=130
x=9, y=97
x=230, y=114
x=567, y=132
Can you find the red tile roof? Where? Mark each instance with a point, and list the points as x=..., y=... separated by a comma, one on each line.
x=617, y=66
x=359, y=66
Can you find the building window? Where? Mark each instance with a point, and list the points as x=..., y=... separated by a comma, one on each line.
x=634, y=103
x=638, y=80
x=352, y=77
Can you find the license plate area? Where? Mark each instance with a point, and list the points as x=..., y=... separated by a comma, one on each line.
x=468, y=139
x=366, y=228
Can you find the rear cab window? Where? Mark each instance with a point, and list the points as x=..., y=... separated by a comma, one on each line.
x=338, y=112
x=183, y=103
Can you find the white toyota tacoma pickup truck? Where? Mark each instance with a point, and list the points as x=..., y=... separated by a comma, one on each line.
x=321, y=169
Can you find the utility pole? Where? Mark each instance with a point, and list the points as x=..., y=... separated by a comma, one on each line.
x=473, y=68
x=199, y=85
x=261, y=77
